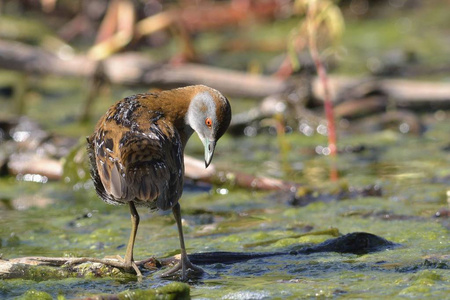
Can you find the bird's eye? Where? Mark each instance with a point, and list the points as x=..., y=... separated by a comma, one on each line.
x=208, y=122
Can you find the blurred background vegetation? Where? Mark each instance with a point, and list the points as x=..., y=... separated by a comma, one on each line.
x=383, y=64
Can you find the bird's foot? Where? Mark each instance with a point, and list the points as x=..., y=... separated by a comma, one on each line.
x=130, y=265
x=117, y=262
x=189, y=269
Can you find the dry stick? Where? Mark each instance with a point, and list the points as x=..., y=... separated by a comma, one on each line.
x=133, y=69
x=188, y=19
x=355, y=242
x=195, y=169
x=20, y=267
x=404, y=93
x=311, y=26
x=116, y=30
x=136, y=69
x=108, y=25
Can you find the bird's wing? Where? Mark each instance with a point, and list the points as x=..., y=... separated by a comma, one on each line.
x=106, y=169
x=143, y=164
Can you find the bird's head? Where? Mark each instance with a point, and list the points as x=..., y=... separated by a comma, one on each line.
x=209, y=114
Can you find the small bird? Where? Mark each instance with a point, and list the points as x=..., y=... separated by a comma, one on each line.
x=136, y=153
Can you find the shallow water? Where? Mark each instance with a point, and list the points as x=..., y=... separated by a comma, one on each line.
x=411, y=171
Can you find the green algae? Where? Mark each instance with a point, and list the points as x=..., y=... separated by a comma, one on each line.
x=82, y=225
x=172, y=291
x=169, y=291
x=35, y=295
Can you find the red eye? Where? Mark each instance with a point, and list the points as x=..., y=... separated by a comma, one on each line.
x=208, y=122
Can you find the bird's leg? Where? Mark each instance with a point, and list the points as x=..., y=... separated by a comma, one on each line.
x=129, y=261
x=184, y=265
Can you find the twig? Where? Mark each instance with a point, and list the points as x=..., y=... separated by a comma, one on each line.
x=312, y=33
x=28, y=267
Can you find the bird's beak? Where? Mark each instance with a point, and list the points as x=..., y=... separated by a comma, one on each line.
x=209, y=151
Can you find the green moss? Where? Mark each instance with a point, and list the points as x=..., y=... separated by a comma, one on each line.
x=40, y=273
x=427, y=276
x=35, y=295
x=172, y=291
x=416, y=291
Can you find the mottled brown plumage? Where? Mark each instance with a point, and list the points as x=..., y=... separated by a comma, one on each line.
x=136, y=150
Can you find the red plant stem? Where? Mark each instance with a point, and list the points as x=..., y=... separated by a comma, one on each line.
x=311, y=27
x=323, y=78
x=328, y=104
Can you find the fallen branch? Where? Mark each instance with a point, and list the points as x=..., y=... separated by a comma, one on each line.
x=399, y=92
x=63, y=267
x=194, y=169
x=136, y=69
x=22, y=160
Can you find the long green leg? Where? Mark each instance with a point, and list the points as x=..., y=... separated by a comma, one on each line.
x=184, y=264
x=129, y=260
